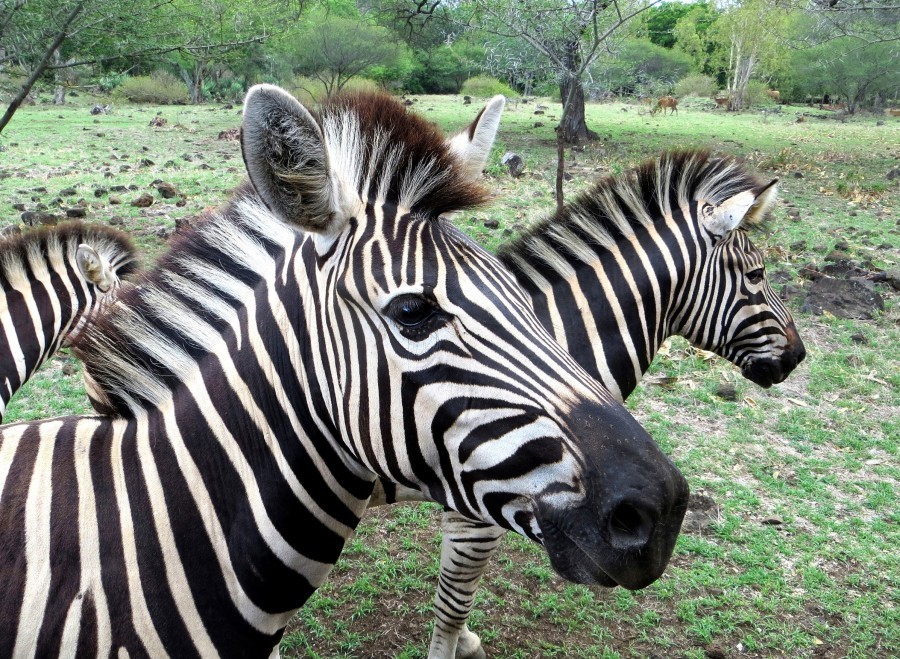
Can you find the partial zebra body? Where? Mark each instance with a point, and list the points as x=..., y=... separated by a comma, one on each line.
x=262, y=377
x=659, y=251
x=50, y=280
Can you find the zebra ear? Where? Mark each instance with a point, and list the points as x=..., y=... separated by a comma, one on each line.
x=94, y=268
x=743, y=209
x=473, y=145
x=287, y=160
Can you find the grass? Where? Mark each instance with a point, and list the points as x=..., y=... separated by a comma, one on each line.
x=801, y=559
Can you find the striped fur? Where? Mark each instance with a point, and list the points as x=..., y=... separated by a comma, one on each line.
x=657, y=251
x=50, y=279
x=262, y=377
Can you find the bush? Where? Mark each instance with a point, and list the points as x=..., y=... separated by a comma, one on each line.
x=228, y=88
x=696, y=84
x=110, y=81
x=161, y=88
x=310, y=91
x=756, y=94
x=485, y=86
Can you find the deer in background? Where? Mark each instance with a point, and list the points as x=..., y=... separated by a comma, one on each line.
x=666, y=102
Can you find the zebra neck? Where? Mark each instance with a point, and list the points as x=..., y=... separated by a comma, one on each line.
x=41, y=302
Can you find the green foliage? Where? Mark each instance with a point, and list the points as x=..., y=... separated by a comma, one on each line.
x=696, y=84
x=111, y=81
x=310, y=91
x=756, y=94
x=161, y=88
x=444, y=69
x=642, y=67
x=659, y=22
x=485, y=86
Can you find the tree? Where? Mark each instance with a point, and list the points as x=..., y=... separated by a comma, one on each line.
x=642, y=68
x=751, y=33
x=851, y=69
x=338, y=49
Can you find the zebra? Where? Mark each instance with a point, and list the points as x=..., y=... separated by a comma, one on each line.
x=661, y=250
x=324, y=327
x=50, y=280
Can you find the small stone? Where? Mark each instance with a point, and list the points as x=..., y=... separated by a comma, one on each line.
x=772, y=521
x=115, y=200
x=116, y=221
x=99, y=192
x=539, y=112
x=491, y=224
x=34, y=218
x=852, y=213
x=19, y=207
x=860, y=338
x=167, y=190
x=187, y=157
x=68, y=192
x=205, y=166
x=798, y=246
x=714, y=652
x=146, y=162
x=69, y=369
x=76, y=212
x=837, y=255
x=143, y=201
x=163, y=232
x=798, y=174
x=793, y=213
x=726, y=391
x=538, y=124
x=842, y=245
x=514, y=163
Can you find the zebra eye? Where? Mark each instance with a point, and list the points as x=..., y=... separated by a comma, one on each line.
x=410, y=311
x=756, y=276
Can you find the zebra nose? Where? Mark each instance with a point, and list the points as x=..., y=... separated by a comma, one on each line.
x=630, y=526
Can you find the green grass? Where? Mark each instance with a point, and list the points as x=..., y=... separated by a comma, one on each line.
x=819, y=452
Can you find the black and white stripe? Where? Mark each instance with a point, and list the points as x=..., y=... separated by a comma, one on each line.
x=657, y=251
x=261, y=378
x=50, y=279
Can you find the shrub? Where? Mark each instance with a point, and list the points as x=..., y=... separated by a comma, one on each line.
x=161, y=88
x=310, y=91
x=756, y=94
x=696, y=84
x=485, y=86
x=110, y=81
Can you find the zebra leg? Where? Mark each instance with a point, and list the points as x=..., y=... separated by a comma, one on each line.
x=466, y=548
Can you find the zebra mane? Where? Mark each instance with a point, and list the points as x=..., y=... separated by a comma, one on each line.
x=146, y=342
x=390, y=155
x=23, y=255
x=616, y=205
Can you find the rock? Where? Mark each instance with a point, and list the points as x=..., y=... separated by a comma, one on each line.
x=491, y=224
x=727, y=391
x=18, y=207
x=793, y=213
x=230, y=135
x=116, y=221
x=99, y=192
x=539, y=112
x=852, y=213
x=538, y=124
x=792, y=292
x=146, y=162
x=68, y=192
x=701, y=513
x=115, y=200
x=69, y=369
x=99, y=109
x=76, y=212
x=514, y=163
x=163, y=232
x=842, y=298
x=772, y=521
x=467, y=100
x=860, y=338
x=187, y=157
x=158, y=122
x=837, y=255
x=893, y=173
x=842, y=245
x=798, y=174
x=34, y=218
x=798, y=246
x=143, y=201
x=167, y=190
x=890, y=277
x=714, y=651
x=779, y=277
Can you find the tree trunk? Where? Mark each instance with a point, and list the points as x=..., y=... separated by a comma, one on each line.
x=59, y=90
x=572, y=126
x=41, y=66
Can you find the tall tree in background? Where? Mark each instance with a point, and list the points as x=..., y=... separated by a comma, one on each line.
x=749, y=33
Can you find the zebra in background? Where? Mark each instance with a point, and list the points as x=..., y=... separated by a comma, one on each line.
x=262, y=377
x=658, y=251
x=51, y=279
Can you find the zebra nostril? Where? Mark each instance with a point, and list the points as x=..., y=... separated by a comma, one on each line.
x=629, y=527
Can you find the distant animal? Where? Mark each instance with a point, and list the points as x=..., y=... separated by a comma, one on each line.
x=51, y=279
x=666, y=103
x=774, y=94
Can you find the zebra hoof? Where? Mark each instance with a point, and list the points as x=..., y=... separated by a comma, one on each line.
x=469, y=646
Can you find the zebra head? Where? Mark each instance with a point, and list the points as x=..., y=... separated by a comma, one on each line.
x=742, y=319
x=436, y=372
